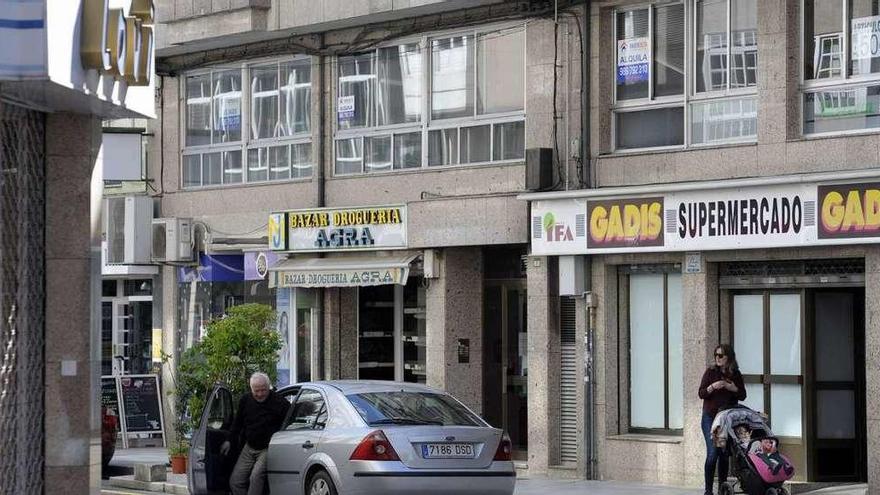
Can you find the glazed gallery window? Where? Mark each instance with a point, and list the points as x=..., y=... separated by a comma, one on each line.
x=432, y=102
x=841, y=65
x=267, y=139
x=655, y=351
x=678, y=84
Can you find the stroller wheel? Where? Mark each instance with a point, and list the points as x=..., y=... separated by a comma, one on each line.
x=725, y=489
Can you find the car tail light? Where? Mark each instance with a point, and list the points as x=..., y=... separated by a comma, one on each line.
x=504, y=448
x=375, y=447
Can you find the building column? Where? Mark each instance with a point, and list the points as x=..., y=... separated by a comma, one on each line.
x=544, y=362
x=73, y=329
x=170, y=346
x=454, y=316
x=699, y=338
x=872, y=364
x=340, y=333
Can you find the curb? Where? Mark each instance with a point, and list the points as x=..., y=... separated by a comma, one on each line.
x=146, y=486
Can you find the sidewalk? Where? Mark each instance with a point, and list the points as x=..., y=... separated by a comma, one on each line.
x=124, y=460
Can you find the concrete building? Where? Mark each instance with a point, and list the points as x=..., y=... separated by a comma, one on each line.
x=356, y=164
x=57, y=82
x=734, y=167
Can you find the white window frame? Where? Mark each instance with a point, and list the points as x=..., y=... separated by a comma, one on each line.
x=426, y=124
x=246, y=143
x=689, y=95
x=844, y=82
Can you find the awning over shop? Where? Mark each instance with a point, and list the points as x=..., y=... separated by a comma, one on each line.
x=342, y=271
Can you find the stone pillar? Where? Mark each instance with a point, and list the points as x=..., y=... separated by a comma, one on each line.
x=340, y=333
x=700, y=336
x=455, y=311
x=544, y=362
x=170, y=346
x=872, y=364
x=73, y=359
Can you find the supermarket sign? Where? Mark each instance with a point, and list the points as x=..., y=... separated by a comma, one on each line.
x=711, y=219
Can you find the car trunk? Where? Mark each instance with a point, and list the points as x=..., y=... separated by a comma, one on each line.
x=410, y=441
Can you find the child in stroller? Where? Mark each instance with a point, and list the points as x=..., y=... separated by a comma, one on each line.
x=759, y=467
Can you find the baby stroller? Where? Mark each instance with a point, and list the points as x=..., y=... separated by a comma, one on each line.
x=757, y=464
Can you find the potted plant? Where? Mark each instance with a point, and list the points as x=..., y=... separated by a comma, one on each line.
x=179, y=452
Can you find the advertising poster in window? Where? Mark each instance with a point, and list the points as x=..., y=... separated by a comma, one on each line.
x=345, y=108
x=633, y=57
x=283, y=321
x=865, y=39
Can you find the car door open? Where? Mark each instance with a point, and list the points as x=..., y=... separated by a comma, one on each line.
x=208, y=469
x=299, y=439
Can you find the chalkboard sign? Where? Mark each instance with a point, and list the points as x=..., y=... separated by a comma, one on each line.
x=141, y=403
x=109, y=393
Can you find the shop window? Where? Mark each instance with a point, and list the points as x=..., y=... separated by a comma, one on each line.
x=652, y=69
x=271, y=142
x=655, y=352
x=841, y=66
x=385, y=122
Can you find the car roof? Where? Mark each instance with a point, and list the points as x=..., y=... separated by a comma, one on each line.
x=347, y=387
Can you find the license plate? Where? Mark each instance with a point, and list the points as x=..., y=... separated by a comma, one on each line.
x=447, y=451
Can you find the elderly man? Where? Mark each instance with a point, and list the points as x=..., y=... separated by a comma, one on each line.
x=260, y=414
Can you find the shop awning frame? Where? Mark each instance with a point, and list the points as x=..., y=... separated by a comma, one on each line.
x=343, y=271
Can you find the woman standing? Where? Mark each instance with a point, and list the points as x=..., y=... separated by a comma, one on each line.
x=722, y=386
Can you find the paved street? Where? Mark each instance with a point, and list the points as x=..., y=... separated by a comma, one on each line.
x=566, y=487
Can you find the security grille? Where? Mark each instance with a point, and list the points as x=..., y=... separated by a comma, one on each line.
x=22, y=195
x=568, y=413
x=794, y=268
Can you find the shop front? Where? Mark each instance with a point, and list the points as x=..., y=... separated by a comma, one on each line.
x=777, y=267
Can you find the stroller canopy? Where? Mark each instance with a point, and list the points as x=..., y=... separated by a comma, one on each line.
x=728, y=419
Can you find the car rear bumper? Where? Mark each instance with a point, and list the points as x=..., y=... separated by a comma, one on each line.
x=497, y=480
x=433, y=483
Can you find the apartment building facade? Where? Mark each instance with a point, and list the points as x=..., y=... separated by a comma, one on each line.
x=734, y=166
x=356, y=165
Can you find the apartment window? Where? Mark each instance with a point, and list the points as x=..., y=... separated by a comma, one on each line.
x=656, y=394
x=672, y=93
x=432, y=102
x=841, y=65
x=270, y=141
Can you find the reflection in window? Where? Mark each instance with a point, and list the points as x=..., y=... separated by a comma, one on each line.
x=227, y=106
x=452, y=77
x=349, y=156
x=399, y=97
x=714, y=41
x=724, y=120
x=669, y=50
x=837, y=110
x=823, y=39
x=198, y=110
x=377, y=156
x=296, y=97
x=508, y=142
x=408, y=150
x=443, y=147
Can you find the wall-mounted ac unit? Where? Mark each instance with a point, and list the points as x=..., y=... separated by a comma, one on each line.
x=172, y=239
x=127, y=227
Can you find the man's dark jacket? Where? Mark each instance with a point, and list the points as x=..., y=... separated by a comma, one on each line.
x=257, y=421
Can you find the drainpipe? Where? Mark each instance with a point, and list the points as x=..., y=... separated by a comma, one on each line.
x=590, y=454
x=321, y=200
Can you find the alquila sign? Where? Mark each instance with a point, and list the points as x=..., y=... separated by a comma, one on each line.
x=117, y=44
x=713, y=219
x=338, y=229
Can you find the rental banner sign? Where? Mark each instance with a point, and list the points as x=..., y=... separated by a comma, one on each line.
x=713, y=219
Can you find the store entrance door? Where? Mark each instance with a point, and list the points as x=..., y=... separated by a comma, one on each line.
x=801, y=352
x=505, y=378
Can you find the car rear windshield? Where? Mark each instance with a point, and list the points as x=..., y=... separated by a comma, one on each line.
x=412, y=408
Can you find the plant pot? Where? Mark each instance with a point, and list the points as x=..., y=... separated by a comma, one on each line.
x=178, y=464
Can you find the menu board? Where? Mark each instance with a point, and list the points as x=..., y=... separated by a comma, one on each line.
x=141, y=403
x=109, y=393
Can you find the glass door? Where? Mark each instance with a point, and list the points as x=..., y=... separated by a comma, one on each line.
x=376, y=324
x=838, y=391
x=768, y=329
x=505, y=376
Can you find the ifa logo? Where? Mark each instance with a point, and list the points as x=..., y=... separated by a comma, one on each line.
x=556, y=232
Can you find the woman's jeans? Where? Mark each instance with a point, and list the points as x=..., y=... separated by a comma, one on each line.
x=713, y=455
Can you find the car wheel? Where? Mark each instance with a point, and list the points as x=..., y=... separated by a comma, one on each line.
x=321, y=484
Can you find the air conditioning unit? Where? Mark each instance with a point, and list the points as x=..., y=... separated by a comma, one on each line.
x=172, y=239
x=127, y=228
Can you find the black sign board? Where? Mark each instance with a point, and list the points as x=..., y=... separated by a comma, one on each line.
x=141, y=403
x=109, y=393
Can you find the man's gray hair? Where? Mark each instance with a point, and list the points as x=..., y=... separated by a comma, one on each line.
x=259, y=376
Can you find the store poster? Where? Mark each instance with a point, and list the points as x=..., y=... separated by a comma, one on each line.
x=865, y=38
x=633, y=57
x=283, y=322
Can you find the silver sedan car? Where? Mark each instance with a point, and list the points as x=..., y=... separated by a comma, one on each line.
x=360, y=437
